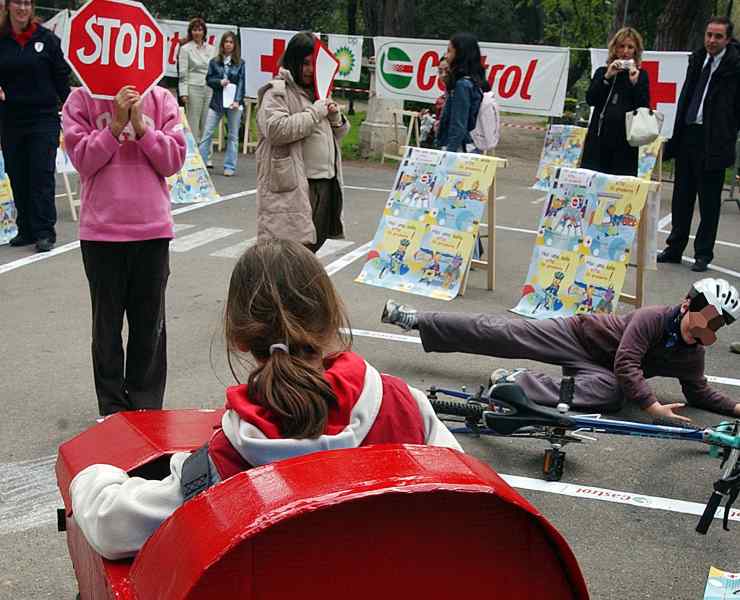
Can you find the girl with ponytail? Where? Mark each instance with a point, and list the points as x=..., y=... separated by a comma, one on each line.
x=306, y=391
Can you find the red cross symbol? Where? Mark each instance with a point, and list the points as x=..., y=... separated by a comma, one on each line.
x=269, y=63
x=660, y=91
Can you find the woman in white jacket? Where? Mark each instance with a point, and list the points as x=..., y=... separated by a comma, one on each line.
x=192, y=66
x=299, y=158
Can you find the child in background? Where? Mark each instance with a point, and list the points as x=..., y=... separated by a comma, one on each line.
x=306, y=392
x=123, y=150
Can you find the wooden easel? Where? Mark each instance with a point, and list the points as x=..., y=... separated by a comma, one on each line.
x=638, y=298
x=412, y=129
x=249, y=145
x=72, y=197
x=490, y=230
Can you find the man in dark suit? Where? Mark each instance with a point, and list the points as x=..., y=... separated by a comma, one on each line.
x=703, y=142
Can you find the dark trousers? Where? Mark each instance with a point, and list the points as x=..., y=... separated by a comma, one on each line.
x=30, y=161
x=128, y=278
x=325, y=196
x=693, y=178
x=550, y=341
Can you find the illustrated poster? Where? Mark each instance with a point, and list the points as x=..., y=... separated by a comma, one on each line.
x=722, y=585
x=8, y=230
x=192, y=183
x=428, y=228
x=583, y=245
x=562, y=148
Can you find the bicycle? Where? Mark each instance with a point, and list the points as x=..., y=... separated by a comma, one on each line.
x=503, y=409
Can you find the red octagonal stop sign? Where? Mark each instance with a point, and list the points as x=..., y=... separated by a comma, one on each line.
x=112, y=43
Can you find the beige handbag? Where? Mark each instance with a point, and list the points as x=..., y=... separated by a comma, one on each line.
x=643, y=126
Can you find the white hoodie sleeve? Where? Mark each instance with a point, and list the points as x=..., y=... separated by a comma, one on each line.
x=435, y=432
x=118, y=513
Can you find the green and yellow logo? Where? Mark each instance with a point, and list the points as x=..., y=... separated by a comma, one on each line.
x=346, y=59
x=396, y=68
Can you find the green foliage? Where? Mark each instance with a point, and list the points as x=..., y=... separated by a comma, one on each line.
x=489, y=20
x=351, y=141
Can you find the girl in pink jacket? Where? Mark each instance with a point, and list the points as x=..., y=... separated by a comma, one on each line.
x=123, y=150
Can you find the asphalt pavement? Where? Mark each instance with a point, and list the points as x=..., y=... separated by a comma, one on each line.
x=617, y=502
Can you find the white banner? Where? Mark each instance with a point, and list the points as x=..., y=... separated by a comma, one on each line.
x=58, y=24
x=348, y=50
x=666, y=72
x=525, y=79
x=261, y=51
x=177, y=33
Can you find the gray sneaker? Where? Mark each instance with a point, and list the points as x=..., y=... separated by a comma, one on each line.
x=401, y=315
x=505, y=376
x=735, y=347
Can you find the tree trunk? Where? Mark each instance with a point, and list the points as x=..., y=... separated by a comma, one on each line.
x=398, y=17
x=631, y=19
x=681, y=24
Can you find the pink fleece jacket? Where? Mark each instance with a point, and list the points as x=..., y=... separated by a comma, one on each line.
x=124, y=193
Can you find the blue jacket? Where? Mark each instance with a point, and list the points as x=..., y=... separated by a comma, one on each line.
x=216, y=72
x=459, y=115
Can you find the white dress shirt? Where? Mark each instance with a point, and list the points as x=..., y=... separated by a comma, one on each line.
x=715, y=64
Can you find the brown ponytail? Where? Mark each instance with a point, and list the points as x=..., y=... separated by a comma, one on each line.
x=280, y=294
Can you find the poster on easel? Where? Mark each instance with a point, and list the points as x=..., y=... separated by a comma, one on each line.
x=63, y=164
x=425, y=238
x=587, y=230
x=722, y=585
x=193, y=182
x=8, y=229
x=562, y=148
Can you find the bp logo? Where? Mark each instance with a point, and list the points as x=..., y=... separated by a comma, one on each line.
x=346, y=59
x=396, y=68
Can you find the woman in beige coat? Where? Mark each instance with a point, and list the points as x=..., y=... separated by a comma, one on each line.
x=192, y=66
x=299, y=161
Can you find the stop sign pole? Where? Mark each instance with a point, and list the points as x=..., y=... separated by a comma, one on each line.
x=113, y=43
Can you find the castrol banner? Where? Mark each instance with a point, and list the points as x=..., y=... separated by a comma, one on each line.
x=666, y=73
x=525, y=79
x=177, y=33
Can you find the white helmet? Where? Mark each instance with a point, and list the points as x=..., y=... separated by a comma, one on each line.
x=720, y=294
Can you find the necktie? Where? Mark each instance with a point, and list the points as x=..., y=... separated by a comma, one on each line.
x=699, y=92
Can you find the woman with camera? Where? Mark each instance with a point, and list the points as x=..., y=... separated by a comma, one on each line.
x=616, y=89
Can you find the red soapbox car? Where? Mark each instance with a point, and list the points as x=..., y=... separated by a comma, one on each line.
x=395, y=521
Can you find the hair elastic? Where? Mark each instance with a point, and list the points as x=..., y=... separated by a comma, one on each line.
x=282, y=347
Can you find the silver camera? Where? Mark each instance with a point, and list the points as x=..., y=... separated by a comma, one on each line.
x=625, y=64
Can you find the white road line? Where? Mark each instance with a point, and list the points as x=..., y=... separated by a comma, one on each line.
x=500, y=197
x=517, y=229
x=411, y=339
x=367, y=189
x=219, y=200
x=29, y=260
x=201, y=238
x=236, y=250
x=29, y=495
x=539, y=200
x=333, y=247
x=718, y=242
x=346, y=260
x=182, y=227
x=663, y=223
x=713, y=267
x=616, y=496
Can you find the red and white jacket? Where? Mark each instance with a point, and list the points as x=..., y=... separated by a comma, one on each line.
x=118, y=513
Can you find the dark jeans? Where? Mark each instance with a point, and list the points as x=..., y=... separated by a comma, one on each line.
x=30, y=161
x=128, y=278
x=692, y=178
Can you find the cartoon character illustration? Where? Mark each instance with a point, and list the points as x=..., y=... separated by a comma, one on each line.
x=452, y=271
x=628, y=219
x=587, y=302
x=606, y=305
x=459, y=195
x=432, y=271
x=549, y=296
x=395, y=262
x=571, y=223
x=556, y=203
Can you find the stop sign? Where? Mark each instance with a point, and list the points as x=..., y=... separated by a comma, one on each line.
x=112, y=43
